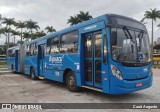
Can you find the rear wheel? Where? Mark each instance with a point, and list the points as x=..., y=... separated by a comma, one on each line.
x=71, y=82
x=32, y=73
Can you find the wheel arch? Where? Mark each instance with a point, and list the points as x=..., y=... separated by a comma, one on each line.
x=65, y=74
x=12, y=66
x=31, y=67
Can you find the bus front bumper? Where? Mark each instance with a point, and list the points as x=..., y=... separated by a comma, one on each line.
x=124, y=86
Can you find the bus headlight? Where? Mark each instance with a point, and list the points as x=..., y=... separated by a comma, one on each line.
x=116, y=72
x=151, y=71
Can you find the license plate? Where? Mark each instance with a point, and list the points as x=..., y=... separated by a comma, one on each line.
x=139, y=84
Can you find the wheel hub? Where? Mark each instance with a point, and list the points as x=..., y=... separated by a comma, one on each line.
x=71, y=81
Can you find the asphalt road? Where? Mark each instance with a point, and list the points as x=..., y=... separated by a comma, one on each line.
x=18, y=88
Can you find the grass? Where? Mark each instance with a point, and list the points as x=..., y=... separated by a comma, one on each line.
x=156, y=66
x=3, y=63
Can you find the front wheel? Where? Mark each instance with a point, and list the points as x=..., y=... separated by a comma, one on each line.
x=32, y=73
x=71, y=82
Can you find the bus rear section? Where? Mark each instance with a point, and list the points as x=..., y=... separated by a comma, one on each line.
x=13, y=59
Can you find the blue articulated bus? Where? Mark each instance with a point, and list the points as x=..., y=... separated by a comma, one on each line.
x=13, y=60
x=109, y=53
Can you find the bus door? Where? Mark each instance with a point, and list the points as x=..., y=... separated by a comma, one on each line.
x=93, y=59
x=41, y=50
x=16, y=59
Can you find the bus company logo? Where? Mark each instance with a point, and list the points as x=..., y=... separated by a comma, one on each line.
x=55, y=59
x=90, y=27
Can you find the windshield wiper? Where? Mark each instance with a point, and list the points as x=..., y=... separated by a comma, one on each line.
x=130, y=36
x=140, y=36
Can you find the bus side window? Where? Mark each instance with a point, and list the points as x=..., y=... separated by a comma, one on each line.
x=30, y=50
x=9, y=53
x=35, y=49
x=27, y=50
x=54, y=47
x=69, y=42
x=48, y=46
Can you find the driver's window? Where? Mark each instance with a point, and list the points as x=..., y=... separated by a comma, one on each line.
x=128, y=46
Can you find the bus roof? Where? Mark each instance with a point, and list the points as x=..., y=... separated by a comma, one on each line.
x=14, y=47
x=106, y=18
x=71, y=28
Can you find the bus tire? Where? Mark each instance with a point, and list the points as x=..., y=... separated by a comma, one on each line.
x=71, y=82
x=32, y=73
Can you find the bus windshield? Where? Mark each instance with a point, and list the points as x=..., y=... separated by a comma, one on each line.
x=129, y=45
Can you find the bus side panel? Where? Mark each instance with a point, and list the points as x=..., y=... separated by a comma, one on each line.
x=18, y=61
x=54, y=75
x=16, y=65
x=72, y=61
x=106, y=83
x=21, y=59
x=58, y=76
x=52, y=69
x=78, y=79
x=31, y=61
x=27, y=67
x=10, y=62
x=55, y=65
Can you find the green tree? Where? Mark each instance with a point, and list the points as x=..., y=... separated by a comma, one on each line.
x=8, y=22
x=14, y=34
x=50, y=29
x=157, y=47
x=153, y=14
x=20, y=25
x=32, y=25
x=0, y=23
x=73, y=20
x=2, y=51
x=38, y=35
x=82, y=16
x=0, y=17
x=5, y=32
x=26, y=35
x=158, y=26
